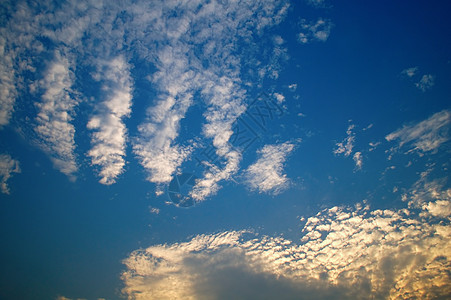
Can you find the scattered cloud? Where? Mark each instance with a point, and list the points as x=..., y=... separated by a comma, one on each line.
x=358, y=160
x=345, y=147
x=55, y=113
x=410, y=72
x=110, y=134
x=345, y=252
x=266, y=174
x=427, y=135
x=8, y=165
x=315, y=31
x=426, y=82
x=293, y=87
x=279, y=97
x=317, y=3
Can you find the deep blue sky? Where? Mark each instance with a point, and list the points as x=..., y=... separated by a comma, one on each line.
x=102, y=106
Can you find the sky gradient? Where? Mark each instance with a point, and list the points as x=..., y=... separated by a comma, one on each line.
x=225, y=149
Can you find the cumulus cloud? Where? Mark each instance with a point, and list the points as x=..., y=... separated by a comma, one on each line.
x=279, y=97
x=55, y=113
x=266, y=174
x=345, y=253
x=426, y=82
x=427, y=135
x=110, y=134
x=315, y=31
x=8, y=165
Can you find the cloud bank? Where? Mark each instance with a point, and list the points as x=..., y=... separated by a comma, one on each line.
x=346, y=252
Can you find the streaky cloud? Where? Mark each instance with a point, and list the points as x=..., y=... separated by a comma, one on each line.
x=425, y=136
x=110, y=133
x=55, y=113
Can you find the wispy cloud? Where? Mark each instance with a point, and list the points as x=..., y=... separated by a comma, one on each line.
x=410, y=72
x=8, y=165
x=427, y=135
x=346, y=252
x=110, y=134
x=345, y=147
x=8, y=92
x=426, y=82
x=266, y=174
x=55, y=113
x=315, y=31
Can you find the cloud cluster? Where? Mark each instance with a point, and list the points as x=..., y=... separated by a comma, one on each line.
x=346, y=147
x=192, y=51
x=8, y=165
x=315, y=31
x=425, y=136
x=426, y=82
x=266, y=174
x=346, y=252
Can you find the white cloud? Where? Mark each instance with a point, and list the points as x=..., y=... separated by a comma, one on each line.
x=110, y=134
x=345, y=147
x=426, y=82
x=427, y=135
x=293, y=87
x=266, y=174
x=280, y=98
x=8, y=91
x=410, y=72
x=319, y=31
x=358, y=160
x=8, y=165
x=55, y=113
x=202, y=61
x=345, y=253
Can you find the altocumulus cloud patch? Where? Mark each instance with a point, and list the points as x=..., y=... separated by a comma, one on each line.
x=346, y=252
x=85, y=53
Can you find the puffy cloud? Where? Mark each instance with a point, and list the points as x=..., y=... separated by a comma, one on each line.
x=319, y=31
x=358, y=160
x=280, y=98
x=427, y=135
x=110, y=134
x=55, y=113
x=346, y=252
x=8, y=165
x=266, y=174
x=426, y=82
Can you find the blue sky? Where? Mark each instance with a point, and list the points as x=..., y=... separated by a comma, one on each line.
x=225, y=149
